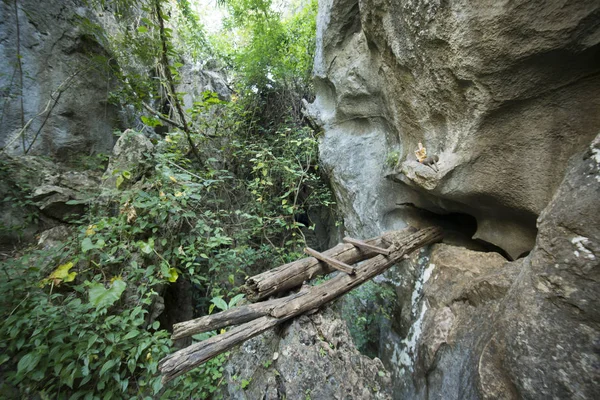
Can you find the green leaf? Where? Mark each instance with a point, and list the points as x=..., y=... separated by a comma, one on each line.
x=87, y=245
x=235, y=300
x=219, y=303
x=131, y=335
x=131, y=365
x=28, y=362
x=142, y=29
x=4, y=358
x=60, y=274
x=93, y=338
x=107, y=365
x=173, y=275
x=120, y=180
x=148, y=247
x=157, y=385
x=102, y=297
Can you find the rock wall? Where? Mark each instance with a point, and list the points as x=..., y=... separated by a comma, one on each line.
x=491, y=329
x=504, y=93
x=507, y=95
x=55, y=54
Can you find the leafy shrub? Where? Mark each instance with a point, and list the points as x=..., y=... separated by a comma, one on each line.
x=79, y=318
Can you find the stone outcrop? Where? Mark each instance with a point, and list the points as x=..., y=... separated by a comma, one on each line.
x=503, y=92
x=479, y=327
x=39, y=194
x=311, y=357
x=65, y=94
x=507, y=95
x=128, y=160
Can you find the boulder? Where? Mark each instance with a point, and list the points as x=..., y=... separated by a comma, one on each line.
x=196, y=79
x=504, y=92
x=54, y=237
x=128, y=160
x=39, y=194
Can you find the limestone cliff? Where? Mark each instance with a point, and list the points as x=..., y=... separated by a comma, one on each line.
x=504, y=92
x=47, y=63
x=507, y=95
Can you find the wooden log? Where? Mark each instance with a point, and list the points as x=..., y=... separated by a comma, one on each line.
x=233, y=316
x=288, y=307
x=292, y=275
x=366, y=246
x=337, y=286
x=187, y=359
x=332, y=262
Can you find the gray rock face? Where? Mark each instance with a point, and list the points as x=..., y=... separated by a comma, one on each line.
x=41, y=195
x=128, y=160
x=503, y=92
x=312, y=357
x=195, y=80
x=55, y=55
x=490, y=329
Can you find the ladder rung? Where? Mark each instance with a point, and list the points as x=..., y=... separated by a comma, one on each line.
x=330, y=261
x=366, y=246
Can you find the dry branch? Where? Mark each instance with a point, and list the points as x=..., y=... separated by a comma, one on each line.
x=282, y=309
x=292, y=275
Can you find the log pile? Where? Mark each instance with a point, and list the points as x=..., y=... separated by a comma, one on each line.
x=377, y=254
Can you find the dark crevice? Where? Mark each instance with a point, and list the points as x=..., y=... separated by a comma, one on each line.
x=459, y=228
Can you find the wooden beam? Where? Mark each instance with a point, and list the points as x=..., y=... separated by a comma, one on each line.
x=289, y=276
x=288, y=307
x=332, y=262
x=366, y=246
x=233, y=316
x=187, y=359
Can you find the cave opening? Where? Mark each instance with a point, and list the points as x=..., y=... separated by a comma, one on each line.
x=459, y=228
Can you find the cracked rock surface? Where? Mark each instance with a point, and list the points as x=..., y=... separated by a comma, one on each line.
x=504, y=92
x=312, y=356
x=525, y=329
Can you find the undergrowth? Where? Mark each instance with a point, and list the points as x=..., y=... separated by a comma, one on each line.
x=219, y=198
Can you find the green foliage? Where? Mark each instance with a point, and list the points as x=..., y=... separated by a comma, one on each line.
x=365, y=309
x=77, y=317
x=392, y=159
x=16, y=201
x=268, y=49
x=60, y=345
x=245, y=383
x=101, y=297
x=270, y=55
x=211, y=226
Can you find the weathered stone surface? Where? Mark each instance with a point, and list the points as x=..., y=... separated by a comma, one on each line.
x=39, y=192
x=53, y=237
x=490, y=329
x=196, y=79
x=503, y=92
x=312, y=357
x=128, y=159
x=54, y=51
